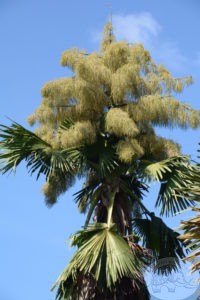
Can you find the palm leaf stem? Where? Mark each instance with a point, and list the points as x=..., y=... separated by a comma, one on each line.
x=110, y=207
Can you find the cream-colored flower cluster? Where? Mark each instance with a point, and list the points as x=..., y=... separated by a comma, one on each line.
x=120, y=91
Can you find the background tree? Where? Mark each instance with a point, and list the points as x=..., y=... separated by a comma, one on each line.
x=100, y=124
x=191, y=227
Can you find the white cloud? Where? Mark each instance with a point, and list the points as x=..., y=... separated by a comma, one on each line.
x=139, y=28
x=145, y=29
x=136, y=27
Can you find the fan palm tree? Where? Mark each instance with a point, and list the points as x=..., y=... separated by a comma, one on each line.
x=99, y=124
x=109, y=262
x=191, y=227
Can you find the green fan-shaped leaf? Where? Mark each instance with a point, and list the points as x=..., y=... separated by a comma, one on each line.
x=20, y=144
x=160, y=171
x=170, y=198
x=172, y=176
x=103, y=254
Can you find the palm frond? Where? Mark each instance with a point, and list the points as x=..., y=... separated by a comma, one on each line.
x=191, y=236
x=170, y=197
x=159, y=171
x=154, y=171
x=105, y=160
x=191, y=190
x=191, y=227
x=171, y=174
x=20, y=144
x=104, y=255
x=170, y=200
x=162, y=240
x=82, y=197
x=99, y=157
x=93, y=203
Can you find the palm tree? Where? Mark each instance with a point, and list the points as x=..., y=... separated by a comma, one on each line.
x=191, y=227
x=99, y=124
x=109, y=260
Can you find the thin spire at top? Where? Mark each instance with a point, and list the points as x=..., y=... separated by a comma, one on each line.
x=110, y=8
x=108, y=35
x=111, y=27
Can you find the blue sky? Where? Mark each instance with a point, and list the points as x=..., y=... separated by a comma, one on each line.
x=33, y=36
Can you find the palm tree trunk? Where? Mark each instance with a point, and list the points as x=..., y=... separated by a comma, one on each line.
x=126, y=290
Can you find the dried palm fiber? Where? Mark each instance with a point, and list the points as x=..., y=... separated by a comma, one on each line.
x=71, y=57
x=92, y=70
x=163, y=111
x=120, y=89
x=90, y=97
x=55, y=187
x=119, y=123
x=116, y=55
x=125, y=80
x=108, y=36
x=80, y=133
x=128, y=150
x=158, y=147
